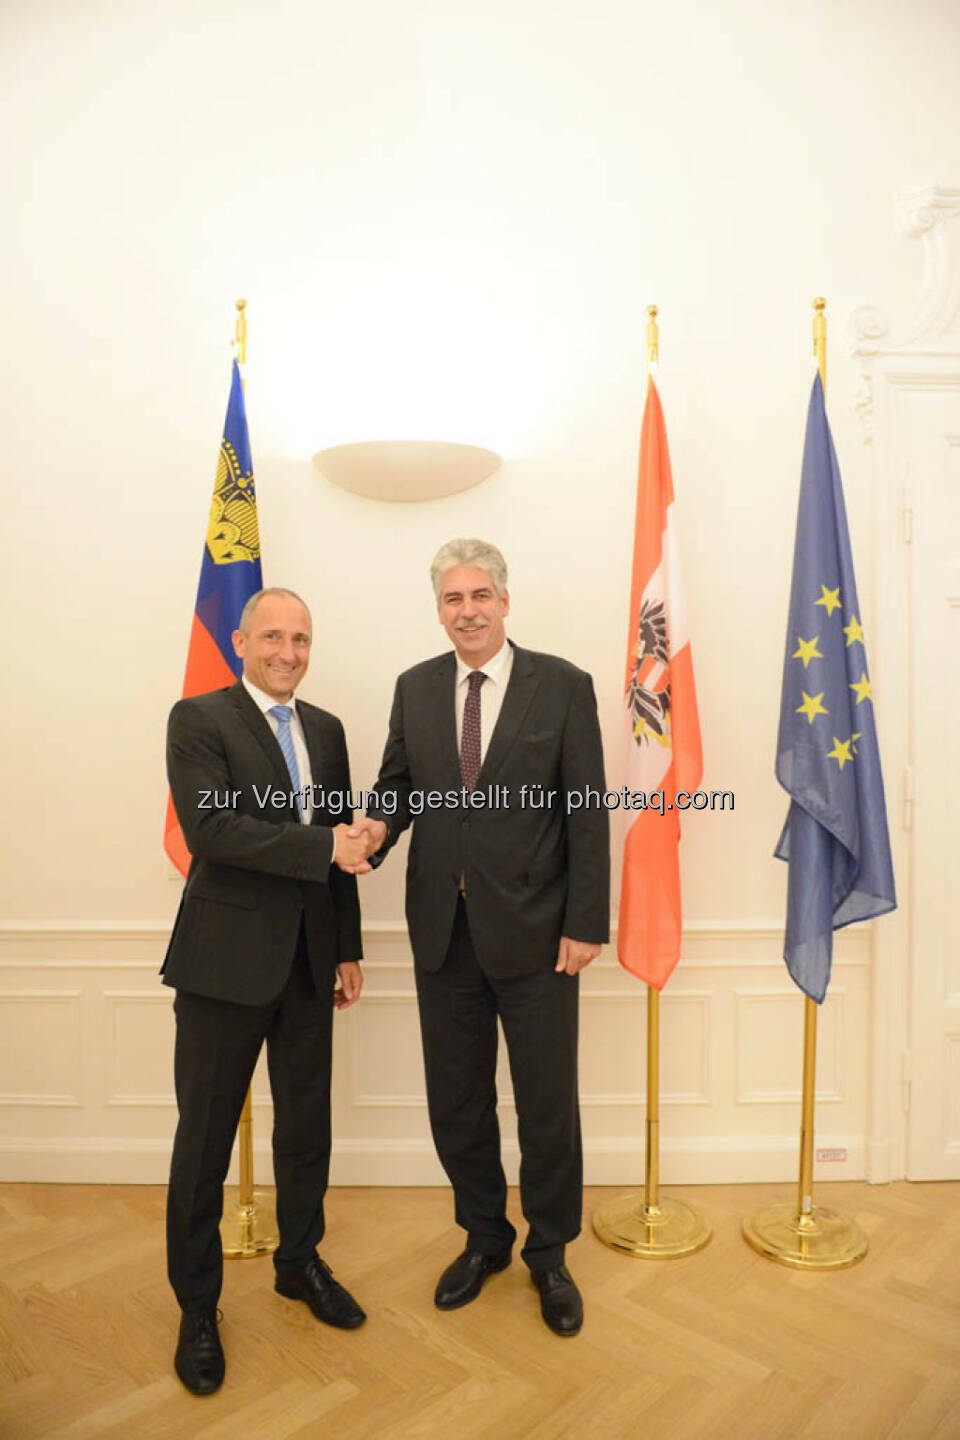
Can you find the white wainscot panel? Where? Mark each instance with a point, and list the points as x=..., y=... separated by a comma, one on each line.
x=86, y=1070
x=613, y=1047
x=386, y=1066
x=40, y=1060
x=769, y=1045
x=139, y=1053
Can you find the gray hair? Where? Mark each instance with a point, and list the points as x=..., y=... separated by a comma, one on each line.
x=469, y=552
x=246, y=614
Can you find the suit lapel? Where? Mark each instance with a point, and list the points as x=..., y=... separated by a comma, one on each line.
x=256, y=722
x=516, y=702
x=317, y=749
x=443, y=699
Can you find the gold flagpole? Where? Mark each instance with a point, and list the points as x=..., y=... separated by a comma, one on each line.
x=806, y=1236
x=649, y=1226
x=249, y=1224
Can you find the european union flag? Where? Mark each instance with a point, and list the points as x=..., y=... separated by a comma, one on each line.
x=835, y=837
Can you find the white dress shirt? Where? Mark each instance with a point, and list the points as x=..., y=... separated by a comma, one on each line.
x=497, y=670
x=265, y=703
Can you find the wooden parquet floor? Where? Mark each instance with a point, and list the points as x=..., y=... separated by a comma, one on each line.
x=722, y=1344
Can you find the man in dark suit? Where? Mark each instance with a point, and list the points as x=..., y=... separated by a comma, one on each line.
x=266, y=924
x=507, y=899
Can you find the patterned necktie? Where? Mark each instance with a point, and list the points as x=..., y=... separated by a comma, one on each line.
x=470, y=734
x=282, y=714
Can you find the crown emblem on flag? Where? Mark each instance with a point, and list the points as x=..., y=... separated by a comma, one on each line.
x=232, y=532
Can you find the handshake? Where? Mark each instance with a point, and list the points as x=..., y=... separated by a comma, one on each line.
x=356, y=843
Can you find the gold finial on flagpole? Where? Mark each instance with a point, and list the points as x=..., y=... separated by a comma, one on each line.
x=803, y=1235
x=820, y=338
x=241, y=332
x=653, y=337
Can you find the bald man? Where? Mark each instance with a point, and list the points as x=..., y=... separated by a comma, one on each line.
x=267, y=928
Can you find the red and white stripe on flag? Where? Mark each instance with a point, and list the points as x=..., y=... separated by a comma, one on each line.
x=661, y=717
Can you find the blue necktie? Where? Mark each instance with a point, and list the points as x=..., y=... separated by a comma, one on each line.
x=282, y=714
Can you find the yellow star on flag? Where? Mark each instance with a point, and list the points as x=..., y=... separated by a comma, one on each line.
x=840, y=752
x=853, y=631
x=857, y=735
x=811, y=706
x=829, y=598
x=807, y=651
x=862, y=687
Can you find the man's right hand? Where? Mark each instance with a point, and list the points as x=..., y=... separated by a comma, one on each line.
x=356, y=842
x=353, y=847
x=375, y=829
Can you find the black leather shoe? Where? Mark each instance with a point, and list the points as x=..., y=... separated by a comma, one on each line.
x=462, y=1281
x=560, y=1301
x=328, y=1300
x=199, y=1359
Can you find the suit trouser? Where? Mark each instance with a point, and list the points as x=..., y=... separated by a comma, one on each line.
x=216, y=1050
x=459, y=1006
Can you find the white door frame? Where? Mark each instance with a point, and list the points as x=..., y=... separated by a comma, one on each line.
x=922, y=353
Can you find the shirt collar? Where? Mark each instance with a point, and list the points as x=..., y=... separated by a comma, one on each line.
x=262, y=700
x=495, y=668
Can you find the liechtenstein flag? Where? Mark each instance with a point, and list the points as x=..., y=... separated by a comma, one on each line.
x=835, y=838
x=229, y=575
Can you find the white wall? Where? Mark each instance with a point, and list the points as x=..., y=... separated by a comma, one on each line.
x=447, y=221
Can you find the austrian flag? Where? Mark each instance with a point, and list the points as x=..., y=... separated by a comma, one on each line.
x=661, y=715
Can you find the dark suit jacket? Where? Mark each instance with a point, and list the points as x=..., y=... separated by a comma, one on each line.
x=531, y=875
x=256, y=871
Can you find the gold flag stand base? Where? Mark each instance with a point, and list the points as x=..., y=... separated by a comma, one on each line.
x=819, y=1240
x=665, y=1231
x=651, y=1226
x=248, y=1230
x=798, y=1233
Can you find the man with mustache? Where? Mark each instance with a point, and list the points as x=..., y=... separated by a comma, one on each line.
x=506, y=903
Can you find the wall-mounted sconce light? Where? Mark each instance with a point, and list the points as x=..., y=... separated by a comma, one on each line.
x=406, y=469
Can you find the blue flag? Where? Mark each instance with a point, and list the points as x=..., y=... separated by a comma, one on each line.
x=835, y=836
